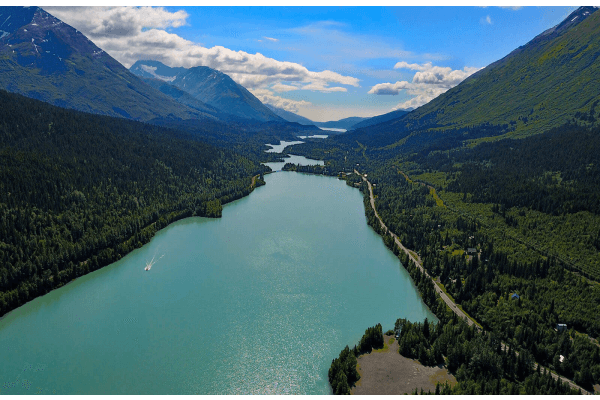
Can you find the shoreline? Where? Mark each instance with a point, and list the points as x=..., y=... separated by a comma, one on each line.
x=386, y=372
x=253, y=186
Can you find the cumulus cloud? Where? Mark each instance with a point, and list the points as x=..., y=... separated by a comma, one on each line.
x=428, y=82
x=267, y=96
x=136, y=33
x=486, y=20
x=414, y=67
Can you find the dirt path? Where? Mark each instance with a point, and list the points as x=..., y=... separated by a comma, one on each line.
x=387, y=372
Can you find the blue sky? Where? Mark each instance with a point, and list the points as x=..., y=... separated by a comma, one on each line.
x=324, y=63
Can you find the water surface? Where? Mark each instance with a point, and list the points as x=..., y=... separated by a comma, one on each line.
x=278, y=148
x=257, y=302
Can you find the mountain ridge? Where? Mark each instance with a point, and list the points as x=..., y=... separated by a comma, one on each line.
x=210, y=86
x=44, y=58
x=349, y=123
x=540, y=85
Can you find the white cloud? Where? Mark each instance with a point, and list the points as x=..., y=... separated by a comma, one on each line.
x=428, y=82
x=414, y=67
x=487, y=20
x=271, y=39
x=135, y=33
x=514, y=8
x=280, y=88
x=266, y=96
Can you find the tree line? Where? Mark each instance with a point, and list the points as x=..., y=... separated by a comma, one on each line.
x=79, y=191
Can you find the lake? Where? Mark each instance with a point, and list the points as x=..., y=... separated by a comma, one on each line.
x=278, y=148
x=257, y=302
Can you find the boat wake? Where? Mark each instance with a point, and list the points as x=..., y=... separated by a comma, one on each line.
x=150, y=263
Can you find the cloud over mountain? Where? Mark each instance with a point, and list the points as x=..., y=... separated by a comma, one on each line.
x=134, y=33
x=428, y=82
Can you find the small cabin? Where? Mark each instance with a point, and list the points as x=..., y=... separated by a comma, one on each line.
x=561, y=327
x=471, y=250
x=515, y=296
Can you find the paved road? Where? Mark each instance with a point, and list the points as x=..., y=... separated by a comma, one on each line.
x=439, y=290
x=417, y=262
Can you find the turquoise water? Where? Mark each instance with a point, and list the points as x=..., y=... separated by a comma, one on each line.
x=257, y=302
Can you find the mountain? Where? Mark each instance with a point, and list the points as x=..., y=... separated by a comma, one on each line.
x=290, y=116
x=43, y=58
x=380, y=118
x=344, y=123
x=117, y=181
x=548, y=82
x=183, y=97
x=209, y=86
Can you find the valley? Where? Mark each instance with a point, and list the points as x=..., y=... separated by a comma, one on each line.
x=271, y=275
x=177, y=218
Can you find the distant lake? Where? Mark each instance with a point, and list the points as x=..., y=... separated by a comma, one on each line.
x=257, y=302
x=278, y=148
x=314, y=137
x=289, y=158
x=333, y=129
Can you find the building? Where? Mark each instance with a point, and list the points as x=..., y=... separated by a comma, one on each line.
x=515, y=296
x=561, y=327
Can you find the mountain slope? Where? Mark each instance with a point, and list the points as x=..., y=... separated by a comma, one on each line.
x=209, y=86
x=80, y=191
x=543, y=84
x=344, y=123
x=380, y=118
x=43, y=58
x=290, y=116
x=182, y=97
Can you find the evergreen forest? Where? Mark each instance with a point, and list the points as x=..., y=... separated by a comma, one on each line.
x=79, y=191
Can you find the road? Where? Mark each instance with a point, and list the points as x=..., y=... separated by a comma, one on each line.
x=453, y=306
x=416, y=261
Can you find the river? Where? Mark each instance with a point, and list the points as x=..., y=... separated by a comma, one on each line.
x=257, y=302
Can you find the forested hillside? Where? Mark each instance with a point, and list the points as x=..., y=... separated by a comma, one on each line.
x=495, y=186
x=537, y=87
x=79, y=191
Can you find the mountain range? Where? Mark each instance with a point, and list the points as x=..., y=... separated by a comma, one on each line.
x=43, y=58
x=349, y=123
x=209, y=86
x=545, y=83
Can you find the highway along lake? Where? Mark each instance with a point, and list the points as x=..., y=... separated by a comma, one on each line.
x=257, y=302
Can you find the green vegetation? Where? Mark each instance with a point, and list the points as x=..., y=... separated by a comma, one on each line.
x=342, y=373
x=529, y=208
x=537, y=87
x=79, y=191
x=513, y=155
x=483, y=282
